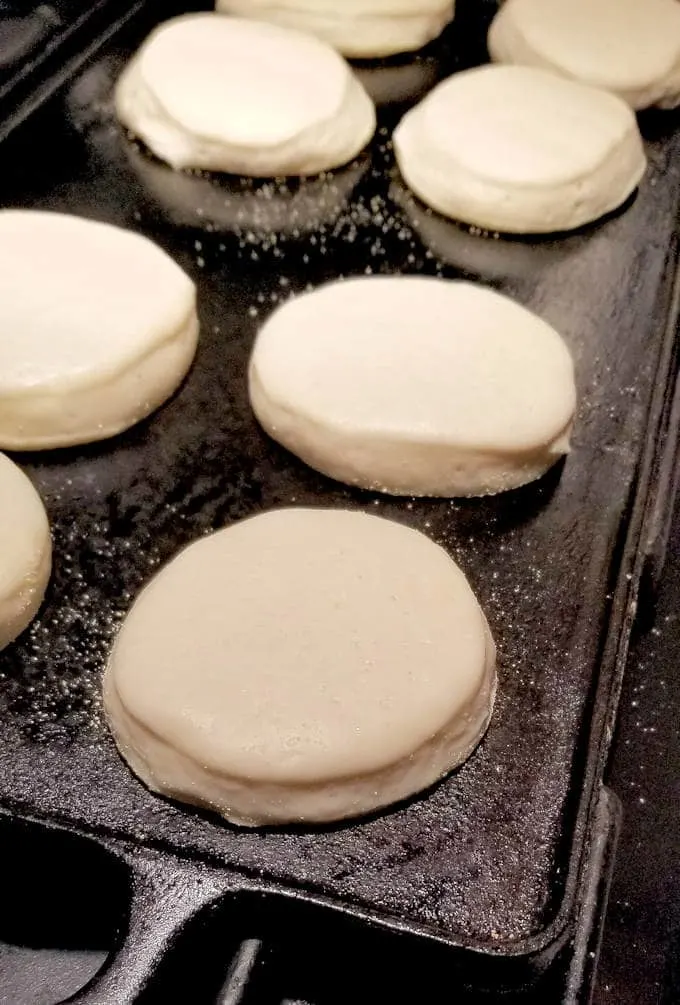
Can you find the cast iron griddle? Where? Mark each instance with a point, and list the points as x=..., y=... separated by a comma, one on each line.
x=490, y=858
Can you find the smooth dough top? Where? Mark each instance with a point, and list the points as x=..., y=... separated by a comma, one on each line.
x=358, y=28
x=302, y=645
x=248, y=83
x=354, y=8
x=421, y=359
x=520, y=126
x=24, y=530
x=80, y=300
x=631, y=47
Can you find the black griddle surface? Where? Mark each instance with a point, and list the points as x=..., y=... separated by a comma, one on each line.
x=483, y=859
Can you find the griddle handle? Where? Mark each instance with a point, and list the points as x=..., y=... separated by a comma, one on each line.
x=163, y=900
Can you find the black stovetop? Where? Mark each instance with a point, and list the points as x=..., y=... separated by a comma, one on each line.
x=640, y=956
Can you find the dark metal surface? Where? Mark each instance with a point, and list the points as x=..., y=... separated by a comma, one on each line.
x=151, y=929
x=640, y=959
x=43, y=44
x=490, y=859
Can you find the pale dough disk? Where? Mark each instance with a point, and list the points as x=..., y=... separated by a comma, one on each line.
x=630, y=47
x=520, y=150
x=245, y=97
x=362, y=29
x=301, y=666
x=99, y=328
x=25, y=551
x=415, y=386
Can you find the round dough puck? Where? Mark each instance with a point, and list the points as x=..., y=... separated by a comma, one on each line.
x=520, y=150
x=25, y=551
x=244, y=97
x=629, y=47
x=414, y=386
x=362, y=29
x=301, y=666
x=103, y=329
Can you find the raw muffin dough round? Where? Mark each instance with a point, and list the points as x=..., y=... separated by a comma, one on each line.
x=358, y=28
x=100, y=326
x=415, y=386
x=25, y=551
x=301, y=666
x=520, y=150
x=245, y=97
x=630, y=47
